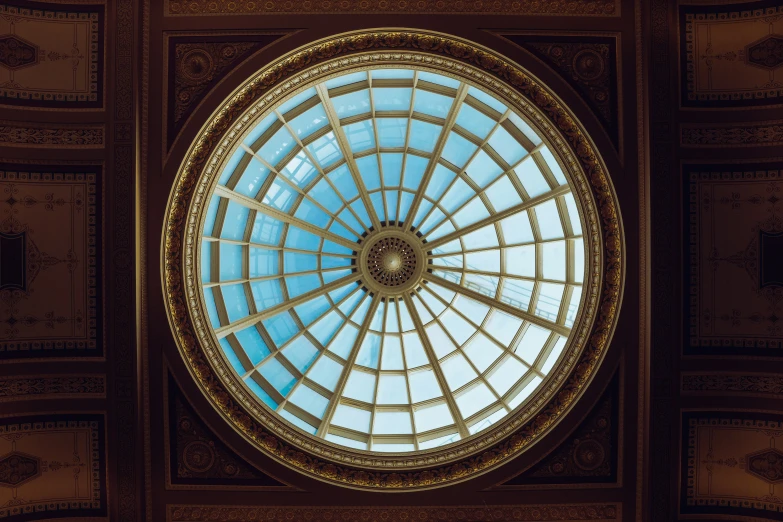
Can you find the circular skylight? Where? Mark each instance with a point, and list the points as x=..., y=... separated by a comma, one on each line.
x=392, y=260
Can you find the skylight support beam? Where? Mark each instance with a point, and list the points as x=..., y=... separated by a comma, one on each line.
x=284, y=217
x=451, y=119
x=450, y=401
x=340, y=386
x=345, y=148
x=500, y=305
x=284, y=306
x=323, y=176
x=530, y=203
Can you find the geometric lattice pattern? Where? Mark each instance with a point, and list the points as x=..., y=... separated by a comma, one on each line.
x=450, y=171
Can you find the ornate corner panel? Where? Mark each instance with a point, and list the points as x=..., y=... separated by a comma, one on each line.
x=589, y=455
x=197, y=62
x=730, y=54
x=733, y=220
x=51, y=55
x=562, y=513
x=469, y=7
x=735, y=135
x=52, y=466
x=732, y=383
x=198, y=459
x=51, y=263
x=589, y=63
x=731, y=465
x=52, y=136
x=31, y=387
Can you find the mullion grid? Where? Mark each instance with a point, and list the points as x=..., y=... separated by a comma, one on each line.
x=374, y=407
x=345, y=149
x=405, y=162
x=569, y=237
x=446, y=390
x=377, y=141
x=507, y=351
x=303, y=191
x=461, y=173
x=378, y=150
x=337, y=396
x=568, y=284
x=302, y=147
x=323, y=350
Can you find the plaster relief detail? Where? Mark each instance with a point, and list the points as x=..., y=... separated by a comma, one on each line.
x=541, y=7
x=83, y=136
x=17, y=468
x=197, y=63
x=732, y=464
x=53, y=299
x=42, y=387
x=727, y=214
x=51, y=56
x=198, y=458
x=588, y=64
x=732, y=384
x=16, y=52
x=521, y=513
x=766, y=465
x=52, y=467
x=750, y=134
x=731, y=55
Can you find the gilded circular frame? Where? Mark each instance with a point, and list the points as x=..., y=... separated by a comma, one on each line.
x=602, y=231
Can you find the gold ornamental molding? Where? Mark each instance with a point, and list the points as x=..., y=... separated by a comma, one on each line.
x=747, y=134
x=33, y=387
x=59, y=136
x=461, y=7
x=521, y=513
x=733, y=383
x=318, y=62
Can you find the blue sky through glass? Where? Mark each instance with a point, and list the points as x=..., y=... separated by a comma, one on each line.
x=429, y=156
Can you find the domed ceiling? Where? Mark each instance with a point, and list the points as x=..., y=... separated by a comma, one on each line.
x=390, y=258
x=400, y=223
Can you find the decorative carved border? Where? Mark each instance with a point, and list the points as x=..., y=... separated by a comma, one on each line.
x=521, y=513
x=719, y=507
x=461, y=7
x=328, y=58
x=76, y=10
x=612, y=124
x=33, y=387
x=92, y=345
x=123, y=417
x=171, y=128
x=688, y=15
x=732, y=383
x=665, y=262
x=745, y=134
x=94, y=509
x=52, y=136
x=172, y=393
x=694, y=343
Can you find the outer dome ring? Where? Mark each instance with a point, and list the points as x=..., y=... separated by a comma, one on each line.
x=592, y=332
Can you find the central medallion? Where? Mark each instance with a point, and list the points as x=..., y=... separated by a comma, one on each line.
x=392, y=261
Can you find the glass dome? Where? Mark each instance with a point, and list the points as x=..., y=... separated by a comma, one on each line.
x=392, y=260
